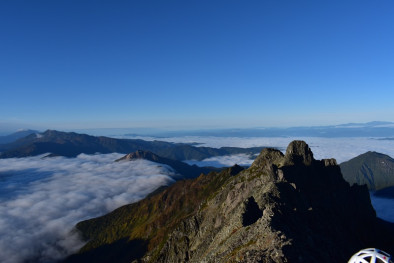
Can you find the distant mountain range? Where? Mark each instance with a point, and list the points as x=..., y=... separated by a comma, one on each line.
x=15, y=136
x=185, y=171
x=284, y=208
x=71, y=144
x=370, y=129
x=382, y=129
x=374, y=169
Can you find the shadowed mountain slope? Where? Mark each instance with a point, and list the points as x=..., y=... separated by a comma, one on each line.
x=147, y=223
x=387, y=192
x=186, y=171
x=71, y=144
x=15, y=136
x=374, y=169
x=284, y=208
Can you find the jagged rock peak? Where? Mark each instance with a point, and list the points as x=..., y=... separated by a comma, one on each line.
x=330, y=162
x=268, y=156
x=235, y=169
x=139, y=154
x=298, y=152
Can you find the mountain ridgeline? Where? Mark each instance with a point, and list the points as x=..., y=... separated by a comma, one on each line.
x=284, y=208
x=374, y=169
x=184, y=170
x=70, y=144
x=15, y=136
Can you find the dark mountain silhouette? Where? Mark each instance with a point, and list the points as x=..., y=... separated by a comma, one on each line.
x=71, y=144
x=15, y=136
x=369, y=129
x=284, y=208
x=374, y=169
x=387, y=192
x=185, y=170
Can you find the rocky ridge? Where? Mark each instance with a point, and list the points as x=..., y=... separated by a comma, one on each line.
x=284, y=208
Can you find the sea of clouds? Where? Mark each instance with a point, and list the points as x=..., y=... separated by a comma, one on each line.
x=342, y=149
x=41, y=200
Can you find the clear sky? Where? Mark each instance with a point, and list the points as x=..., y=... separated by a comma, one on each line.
x=195, y=64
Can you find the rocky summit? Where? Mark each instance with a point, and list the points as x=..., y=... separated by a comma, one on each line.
x=284, y=208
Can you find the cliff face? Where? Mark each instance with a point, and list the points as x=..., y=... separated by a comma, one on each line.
x=284, y=208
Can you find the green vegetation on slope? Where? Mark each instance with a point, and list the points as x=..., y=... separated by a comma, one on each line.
x=374, y=169
x=144, y=226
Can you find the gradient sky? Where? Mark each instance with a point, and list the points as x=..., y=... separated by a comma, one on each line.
x=195, y=64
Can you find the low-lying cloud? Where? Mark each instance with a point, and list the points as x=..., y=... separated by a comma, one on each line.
x=342, y=149
x=42, y=199
x=226, y=160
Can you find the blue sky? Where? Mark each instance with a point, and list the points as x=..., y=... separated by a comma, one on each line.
x=195, y=64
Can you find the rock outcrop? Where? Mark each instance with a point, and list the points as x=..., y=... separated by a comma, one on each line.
x=284, y=208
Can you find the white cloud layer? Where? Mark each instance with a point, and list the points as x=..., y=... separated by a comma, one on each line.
x=342, y=149
x=42, y=199
x=227, y=160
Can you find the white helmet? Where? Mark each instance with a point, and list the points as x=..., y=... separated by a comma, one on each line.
x=370, y=255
